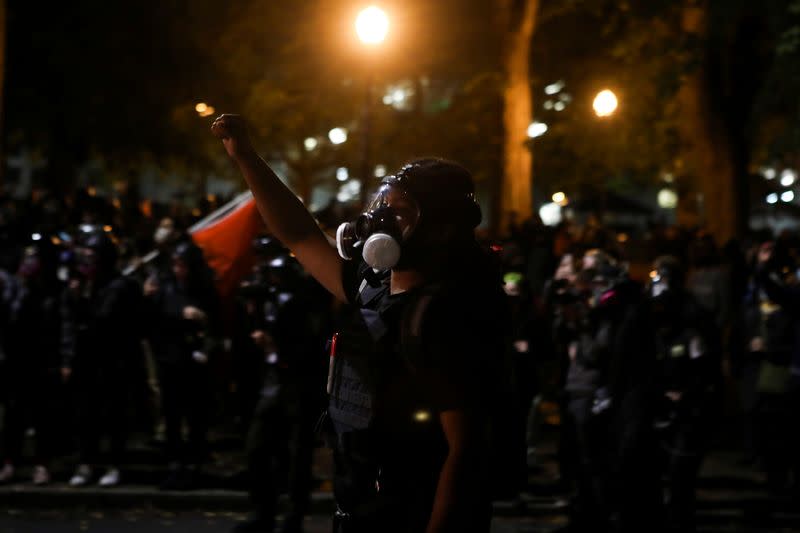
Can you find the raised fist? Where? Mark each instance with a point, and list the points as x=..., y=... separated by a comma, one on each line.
x=232, y=130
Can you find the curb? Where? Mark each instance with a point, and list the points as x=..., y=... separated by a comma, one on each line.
x=61, y=496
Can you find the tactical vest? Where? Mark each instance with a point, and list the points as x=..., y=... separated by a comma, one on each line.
x=355, y=370
x=355, y=374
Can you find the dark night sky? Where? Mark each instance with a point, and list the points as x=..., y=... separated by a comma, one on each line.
x=94, y=72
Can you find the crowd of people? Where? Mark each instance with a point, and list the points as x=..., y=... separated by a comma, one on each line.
x=98, y=344
x=646, y=370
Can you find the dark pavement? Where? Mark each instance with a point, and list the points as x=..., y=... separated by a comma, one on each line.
x=135, y=521
x=731, y=498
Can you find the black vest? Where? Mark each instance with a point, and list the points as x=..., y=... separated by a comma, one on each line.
x=376, y=410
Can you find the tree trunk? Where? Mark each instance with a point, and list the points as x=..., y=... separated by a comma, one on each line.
x=516, y=189
x=714, y=116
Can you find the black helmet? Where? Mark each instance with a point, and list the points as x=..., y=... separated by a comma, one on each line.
x=101, y=244
x=284, y=271
x=267, y=246
x=190, y=254
x=444, y=190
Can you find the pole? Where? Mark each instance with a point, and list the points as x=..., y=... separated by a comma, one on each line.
x=366, y=145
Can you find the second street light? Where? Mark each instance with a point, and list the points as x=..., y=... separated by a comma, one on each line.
x=372, y=26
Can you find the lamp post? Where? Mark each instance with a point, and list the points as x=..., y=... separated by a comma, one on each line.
x=372, y=26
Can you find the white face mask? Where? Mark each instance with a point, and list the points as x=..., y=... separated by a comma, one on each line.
x=162, y=235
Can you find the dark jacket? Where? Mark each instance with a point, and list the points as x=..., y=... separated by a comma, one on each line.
x=173, y=337
x=101, y=324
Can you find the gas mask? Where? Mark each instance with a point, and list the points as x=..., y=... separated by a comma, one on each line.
x=666, y=279
x=599, y=291
x=380, y=233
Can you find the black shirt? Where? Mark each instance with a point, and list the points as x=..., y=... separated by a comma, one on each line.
x=416, y=385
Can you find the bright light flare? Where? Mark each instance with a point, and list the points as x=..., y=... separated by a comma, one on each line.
x=537, y=129
x=550, y=214
x=788, y=177
x=560, y=199
x=372, y=25
x=605, y=103
x=338, y=135
x=554, y=88
x=204, y=110
x=667, y=199
x=787, y=196
x=772, y=198
x=422, y=416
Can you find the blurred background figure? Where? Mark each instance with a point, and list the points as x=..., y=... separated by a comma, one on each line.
x=100, y=333
x=280, y=330
x=687, y=355
x=609, y=400
x=182, y=314
x=766, y=344
x=29, y=311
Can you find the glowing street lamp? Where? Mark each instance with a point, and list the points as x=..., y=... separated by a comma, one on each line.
x=372, y=25
x=204, y=110
x=560, y=199
x=605, y=103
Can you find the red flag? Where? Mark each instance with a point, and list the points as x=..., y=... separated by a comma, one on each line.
x=226, y=239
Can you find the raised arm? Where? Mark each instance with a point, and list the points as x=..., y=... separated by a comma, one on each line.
x=284, y=214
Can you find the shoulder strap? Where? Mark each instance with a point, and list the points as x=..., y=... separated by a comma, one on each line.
x=371, y=283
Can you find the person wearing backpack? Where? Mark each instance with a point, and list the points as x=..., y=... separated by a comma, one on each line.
x=415, y=360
